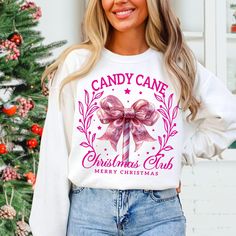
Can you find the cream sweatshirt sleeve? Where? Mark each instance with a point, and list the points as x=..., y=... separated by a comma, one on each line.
x=216, y=119
x=50, y=207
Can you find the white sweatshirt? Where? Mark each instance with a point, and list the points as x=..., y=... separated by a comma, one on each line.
x=120, y=127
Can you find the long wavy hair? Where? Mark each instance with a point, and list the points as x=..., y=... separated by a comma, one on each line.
x=163, y=34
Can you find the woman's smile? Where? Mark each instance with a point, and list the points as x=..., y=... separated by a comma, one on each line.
x=123, y=13
x=126, y=15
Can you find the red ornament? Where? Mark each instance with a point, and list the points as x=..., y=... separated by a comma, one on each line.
x=233, y=28
x=3, y=148
x=31, y=178
x=32, y=143
x=35, y=128
x=9, y=109
x=15, y=38
x=40, y=131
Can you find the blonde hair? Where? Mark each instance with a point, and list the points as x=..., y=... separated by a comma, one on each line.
x=163, y=33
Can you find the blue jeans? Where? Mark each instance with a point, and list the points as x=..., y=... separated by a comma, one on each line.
x=97, y=212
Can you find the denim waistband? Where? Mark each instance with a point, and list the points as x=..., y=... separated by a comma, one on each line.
x=163, y=191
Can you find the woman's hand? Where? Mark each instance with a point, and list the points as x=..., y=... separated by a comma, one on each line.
x=178, y=190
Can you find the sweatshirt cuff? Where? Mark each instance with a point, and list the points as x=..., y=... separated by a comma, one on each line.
x=188, y=157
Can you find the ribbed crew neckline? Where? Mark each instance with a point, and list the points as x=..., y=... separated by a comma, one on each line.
x=127, y=58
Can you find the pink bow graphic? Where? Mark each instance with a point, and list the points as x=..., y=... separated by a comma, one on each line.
x=141, y=113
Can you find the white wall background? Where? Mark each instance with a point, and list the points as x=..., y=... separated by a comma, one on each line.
x=61, y=20
x=209, y=198
x=208, y=190
x=192, y=22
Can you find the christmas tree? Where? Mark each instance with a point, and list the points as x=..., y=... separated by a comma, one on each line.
x=23, y=58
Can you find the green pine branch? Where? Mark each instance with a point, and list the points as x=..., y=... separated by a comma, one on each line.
x=15, y=130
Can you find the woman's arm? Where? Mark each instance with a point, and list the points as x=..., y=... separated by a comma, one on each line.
x=50, y=207
x=215, y=121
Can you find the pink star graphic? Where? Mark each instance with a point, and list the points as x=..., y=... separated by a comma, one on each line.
x=99, y=127
x=127, y=91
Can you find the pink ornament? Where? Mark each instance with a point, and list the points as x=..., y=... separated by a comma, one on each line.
x=31, y=5
x=25, y=106
x=11, y=50
x=10, y=173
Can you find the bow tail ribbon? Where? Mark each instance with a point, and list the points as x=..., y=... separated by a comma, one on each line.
x=140, y=134
x=113, y=133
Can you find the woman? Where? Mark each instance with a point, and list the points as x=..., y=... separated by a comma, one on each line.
x=127, y=108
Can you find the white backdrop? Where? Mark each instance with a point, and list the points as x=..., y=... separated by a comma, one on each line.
x=61, y=20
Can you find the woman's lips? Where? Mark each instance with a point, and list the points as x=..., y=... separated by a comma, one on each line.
x=122, y=14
